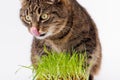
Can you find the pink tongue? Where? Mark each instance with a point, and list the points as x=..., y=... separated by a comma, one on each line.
x=34, y=31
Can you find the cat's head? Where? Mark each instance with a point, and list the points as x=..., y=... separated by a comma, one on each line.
x=44, y=18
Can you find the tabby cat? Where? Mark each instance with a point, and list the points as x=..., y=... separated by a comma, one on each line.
x=61, y=25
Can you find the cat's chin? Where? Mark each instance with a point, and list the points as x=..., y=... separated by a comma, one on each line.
x=44, y=36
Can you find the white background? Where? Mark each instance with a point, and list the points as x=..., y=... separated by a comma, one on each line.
x=15, y=41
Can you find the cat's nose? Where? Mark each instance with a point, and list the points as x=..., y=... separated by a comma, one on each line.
x=34, y=31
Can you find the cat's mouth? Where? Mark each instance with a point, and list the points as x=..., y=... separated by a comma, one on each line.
x=38, y=34
x=35, y=32
x=41, y=35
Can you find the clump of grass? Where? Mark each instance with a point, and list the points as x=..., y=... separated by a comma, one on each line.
x=62, y=66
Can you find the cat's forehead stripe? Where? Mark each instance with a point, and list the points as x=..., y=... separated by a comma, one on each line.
x=38, y=5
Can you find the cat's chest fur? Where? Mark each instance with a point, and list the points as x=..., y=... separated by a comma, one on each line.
x=57, y=45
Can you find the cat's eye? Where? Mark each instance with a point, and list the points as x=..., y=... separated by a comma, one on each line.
x=28, y=18
x=44, y=16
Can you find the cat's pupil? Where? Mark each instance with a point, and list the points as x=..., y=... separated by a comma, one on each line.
x=44, y=16
x=28, y=18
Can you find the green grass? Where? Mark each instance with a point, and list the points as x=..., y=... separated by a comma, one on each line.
x=61, y=66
